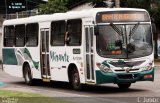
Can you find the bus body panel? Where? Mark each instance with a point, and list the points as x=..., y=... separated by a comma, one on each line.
x=13, y=70
x=17, y=57
x=61, y=58
x=34, y=62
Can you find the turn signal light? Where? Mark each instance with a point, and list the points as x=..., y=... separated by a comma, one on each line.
x=116, y=52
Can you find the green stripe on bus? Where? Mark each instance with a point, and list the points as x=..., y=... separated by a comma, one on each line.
x=9, y=57
x=36, y=64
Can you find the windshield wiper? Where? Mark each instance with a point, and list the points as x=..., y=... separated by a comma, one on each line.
x=133, y=30
x=120, y=32
x=116, y=29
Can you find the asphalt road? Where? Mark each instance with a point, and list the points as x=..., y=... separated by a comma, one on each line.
x=140, y=92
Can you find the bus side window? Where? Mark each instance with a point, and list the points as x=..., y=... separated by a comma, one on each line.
x=9, y=36
x=58, y=33
x=32, y=34
x=20, y=35
x=74, y=28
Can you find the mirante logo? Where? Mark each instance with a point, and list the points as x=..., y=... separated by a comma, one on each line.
x=59, y=57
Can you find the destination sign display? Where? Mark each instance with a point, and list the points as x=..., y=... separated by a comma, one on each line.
x=122, y=16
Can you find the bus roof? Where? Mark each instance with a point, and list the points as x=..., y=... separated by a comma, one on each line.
x=64, y=16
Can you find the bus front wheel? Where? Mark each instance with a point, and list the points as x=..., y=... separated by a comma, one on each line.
x=124, y=85
x=76, y=80
x=27, y=75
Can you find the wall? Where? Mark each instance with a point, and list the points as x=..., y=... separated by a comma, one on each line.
x=82, y=7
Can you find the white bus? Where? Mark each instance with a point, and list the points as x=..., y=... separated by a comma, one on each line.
x=94, y=46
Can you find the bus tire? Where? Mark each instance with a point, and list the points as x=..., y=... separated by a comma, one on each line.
x=124, y=85
x=27, y=75
x=76, y=80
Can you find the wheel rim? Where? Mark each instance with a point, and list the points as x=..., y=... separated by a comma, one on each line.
x=76, y=80
x=27, y=76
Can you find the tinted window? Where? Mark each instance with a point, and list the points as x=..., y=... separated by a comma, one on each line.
x=20, y=35
x=9, y=37
x=32, y=34
x=74, y=29
x=57, y=33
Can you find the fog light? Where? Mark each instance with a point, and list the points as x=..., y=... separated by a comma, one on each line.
x=148, y=76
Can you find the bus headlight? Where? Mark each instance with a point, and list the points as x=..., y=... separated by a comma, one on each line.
x=147, y=67
x=103, y=68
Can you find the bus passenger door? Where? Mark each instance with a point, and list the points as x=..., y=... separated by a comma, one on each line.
x=44, y=54
x=89, y=54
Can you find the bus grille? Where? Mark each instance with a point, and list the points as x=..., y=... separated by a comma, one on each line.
x=126, y=64
x=123, y=70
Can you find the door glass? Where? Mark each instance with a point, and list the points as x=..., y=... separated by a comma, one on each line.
x=47, y=41
x=43, y=64
x=87, y=41
x=43, y=41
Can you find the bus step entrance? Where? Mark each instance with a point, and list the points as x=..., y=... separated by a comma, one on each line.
x=46, y=79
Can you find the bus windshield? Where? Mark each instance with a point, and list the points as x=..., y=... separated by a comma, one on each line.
x=124, y=41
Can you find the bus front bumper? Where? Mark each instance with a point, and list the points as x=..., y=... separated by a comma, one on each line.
x=116, y=78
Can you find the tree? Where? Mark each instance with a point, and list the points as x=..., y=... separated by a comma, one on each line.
x=53, y=6
x=70, y=3
x=152, y=6
x=155, y=11
x=136, y=3
x=101, y=3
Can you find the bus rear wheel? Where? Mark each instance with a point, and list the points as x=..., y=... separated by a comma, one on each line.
x=124, y=85
x=76, y=80
x=27, y=75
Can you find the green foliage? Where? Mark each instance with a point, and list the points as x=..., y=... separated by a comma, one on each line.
x=26, y=97
x=155, y=13
x=136, y=3
x=99, y=3
x=10, y=93
x=154, y=10
x=53, y=6
x=70, y=3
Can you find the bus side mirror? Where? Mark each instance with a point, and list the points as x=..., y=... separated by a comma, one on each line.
x=96, y=31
